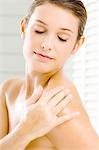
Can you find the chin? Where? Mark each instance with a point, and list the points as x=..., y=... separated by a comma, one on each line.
x=42, y=70
x=42, y=67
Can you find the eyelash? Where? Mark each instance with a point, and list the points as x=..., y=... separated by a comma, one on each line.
x=41, y=32
x=62, y=39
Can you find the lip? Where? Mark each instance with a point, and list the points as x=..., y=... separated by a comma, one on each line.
x=43, y=55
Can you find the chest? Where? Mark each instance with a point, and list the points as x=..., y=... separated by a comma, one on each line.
x=16, y=110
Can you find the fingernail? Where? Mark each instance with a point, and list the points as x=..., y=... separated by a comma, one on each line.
x=76, y=113
x=67, y=90
x=36, y=89
x=21, y=90
x=70, y=96
x=40, y=87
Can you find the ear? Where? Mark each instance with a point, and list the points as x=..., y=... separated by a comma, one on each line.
x=78, y=44
x=22, y=27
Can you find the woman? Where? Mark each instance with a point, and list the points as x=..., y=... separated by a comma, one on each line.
x=34, y=112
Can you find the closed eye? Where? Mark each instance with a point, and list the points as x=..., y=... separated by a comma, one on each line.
x=63, y=40
x=39, y=32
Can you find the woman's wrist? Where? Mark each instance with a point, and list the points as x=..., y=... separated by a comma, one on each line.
x=18, y=139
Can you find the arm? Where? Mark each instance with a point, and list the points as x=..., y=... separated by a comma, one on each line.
x=12, y=140
x=3, y=113
x=77, y=134
x=18, y=139
x=38, y=119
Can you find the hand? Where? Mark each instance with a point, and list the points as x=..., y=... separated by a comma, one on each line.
x=41, y=117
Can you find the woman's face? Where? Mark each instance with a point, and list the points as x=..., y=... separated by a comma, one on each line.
x=50, y=38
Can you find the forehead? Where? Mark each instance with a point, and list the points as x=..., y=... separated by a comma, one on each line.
x=56, y=16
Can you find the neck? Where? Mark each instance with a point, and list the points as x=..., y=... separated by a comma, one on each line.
x=34, y=79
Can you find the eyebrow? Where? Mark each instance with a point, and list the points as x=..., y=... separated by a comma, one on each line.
x=64, y=29
x=41, y=22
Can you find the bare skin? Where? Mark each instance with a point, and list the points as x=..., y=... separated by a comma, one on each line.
x=46, y=142
x=53, y=41
x=23, y=114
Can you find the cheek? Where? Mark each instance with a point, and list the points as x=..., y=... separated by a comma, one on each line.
x=27, y=43
x=64, y=53
x=30, y=43
x=63, y=57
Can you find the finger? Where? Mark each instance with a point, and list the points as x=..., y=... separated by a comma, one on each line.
x=36, y=85
x=36, y=96
x=65, y=118
x=58, y=98
x=22, y=90
x=62, y=104
x=50, y=94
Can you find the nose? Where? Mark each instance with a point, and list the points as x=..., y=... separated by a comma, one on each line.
x=47, y=44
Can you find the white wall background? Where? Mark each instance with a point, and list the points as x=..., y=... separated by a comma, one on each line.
x=83, y=69
x=11, y=60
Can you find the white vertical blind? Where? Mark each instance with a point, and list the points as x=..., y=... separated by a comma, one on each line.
x=86, y=66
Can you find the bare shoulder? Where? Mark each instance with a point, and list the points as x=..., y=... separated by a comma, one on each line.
x=77, y=133
x=76, y=103
x=7, y=84
x=10, y=86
